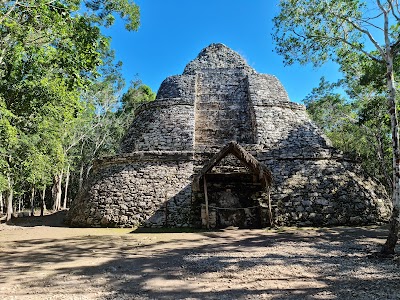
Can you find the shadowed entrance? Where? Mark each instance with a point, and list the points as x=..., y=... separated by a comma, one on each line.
x=237, y=196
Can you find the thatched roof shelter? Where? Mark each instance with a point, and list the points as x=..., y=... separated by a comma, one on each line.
x=257, y=168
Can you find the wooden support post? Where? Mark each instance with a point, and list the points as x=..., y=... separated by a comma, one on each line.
x=166, y=210
x=206, y=199
x=271, y=222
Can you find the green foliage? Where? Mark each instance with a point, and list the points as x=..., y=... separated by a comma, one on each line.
x=317, y=31
x=327, y=108
x=8, y=144
x=343, y=31
x=358, y=126
x=105, y=10
x=136, y=95
x=104, y=119
x=51, y=53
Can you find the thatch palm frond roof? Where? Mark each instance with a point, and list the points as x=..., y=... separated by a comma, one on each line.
x=264, y=175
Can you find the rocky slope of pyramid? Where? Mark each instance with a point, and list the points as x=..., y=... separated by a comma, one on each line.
x=219, y=98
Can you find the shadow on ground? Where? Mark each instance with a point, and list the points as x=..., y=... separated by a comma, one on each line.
x=52, y=220
x=243, y=264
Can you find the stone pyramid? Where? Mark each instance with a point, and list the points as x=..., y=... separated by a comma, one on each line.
x=219, y=99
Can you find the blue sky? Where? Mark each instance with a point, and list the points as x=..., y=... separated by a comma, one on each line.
x=173, y=32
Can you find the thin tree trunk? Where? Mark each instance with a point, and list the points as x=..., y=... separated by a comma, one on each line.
x=81, y=170
x=59, y=189
x=80, y=178
x=15, y=208
x=88, y=172
x=66, y=189
x=1, y=203
x=33, y=202
x=388, y=247
x=43, y=202
x=56, y=191
x=392, y=238
x=19, y=204
x=381, y=158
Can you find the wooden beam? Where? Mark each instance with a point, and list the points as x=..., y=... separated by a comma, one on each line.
x=245, y=158
x=271, y=222
x=206, y=199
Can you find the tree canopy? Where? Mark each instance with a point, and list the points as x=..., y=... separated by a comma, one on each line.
x=52, y=56
x=351, y=33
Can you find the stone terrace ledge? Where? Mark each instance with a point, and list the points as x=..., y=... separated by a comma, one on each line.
x=264, y=154
x=290, y=105
x=164, y=102
x=140, y=156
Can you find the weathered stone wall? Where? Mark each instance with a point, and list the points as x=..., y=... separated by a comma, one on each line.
x=222, y=108
x=286, y=129
x=266, y=89
x=283, y=128
x=233, y=198
x=150, y=189
x=214, y=57
x=316, y=191
x=325, y=192
x=179, y=86
x=166, y=124
x=217, y=99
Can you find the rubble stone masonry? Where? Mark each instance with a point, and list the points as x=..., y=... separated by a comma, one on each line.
x=218, y=99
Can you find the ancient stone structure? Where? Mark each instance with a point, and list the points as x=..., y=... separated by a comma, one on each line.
x=223, y=146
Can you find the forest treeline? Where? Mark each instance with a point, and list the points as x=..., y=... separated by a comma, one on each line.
x=61, y=101
x=353, y=115
x=363, y=38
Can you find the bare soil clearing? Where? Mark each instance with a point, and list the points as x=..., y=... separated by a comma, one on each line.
x=42, y=260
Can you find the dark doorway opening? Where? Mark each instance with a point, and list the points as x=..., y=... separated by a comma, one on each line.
x=236, y=198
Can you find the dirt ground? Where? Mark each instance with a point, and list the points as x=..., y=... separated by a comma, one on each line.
x=40, y=259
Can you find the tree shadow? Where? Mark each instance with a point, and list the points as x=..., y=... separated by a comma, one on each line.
x=316, y=185
x=328, y=263
x=55, y=219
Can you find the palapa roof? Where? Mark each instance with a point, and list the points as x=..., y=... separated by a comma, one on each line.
x=264, y=175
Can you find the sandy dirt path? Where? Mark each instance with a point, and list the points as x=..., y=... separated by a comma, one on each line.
x=45, y=262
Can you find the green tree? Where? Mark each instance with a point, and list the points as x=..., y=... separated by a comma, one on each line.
x=109, y=117
x=311, y=31
x=50, y=51
x=136, y=95
x=356, y=123
x=8, y=147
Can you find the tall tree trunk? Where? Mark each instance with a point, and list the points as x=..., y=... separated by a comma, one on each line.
x=10, y=195
x=33, y=202
x=392, y=238
x=56, y=191
x=59, y=196
x=20, y=204
x=43, y=202
x=66, y=189
x=1, y=203
x=81, y=170
x=388, y=180
x=80, y=178
x=89, y=168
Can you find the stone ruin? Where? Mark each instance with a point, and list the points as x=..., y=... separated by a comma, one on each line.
x=222, y=145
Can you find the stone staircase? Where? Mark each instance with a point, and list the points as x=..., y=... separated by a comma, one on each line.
x=222, y=112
